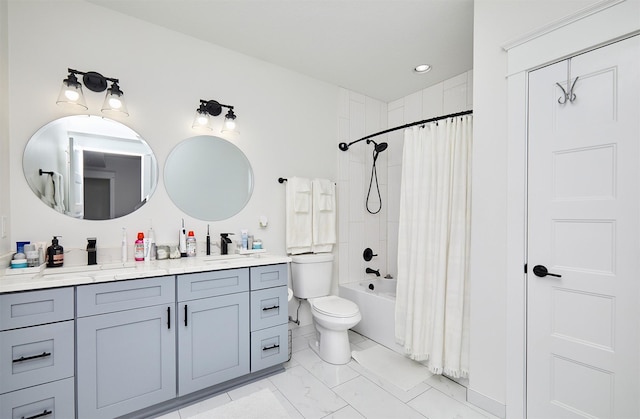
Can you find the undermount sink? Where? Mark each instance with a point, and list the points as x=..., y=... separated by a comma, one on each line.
x=217, y=258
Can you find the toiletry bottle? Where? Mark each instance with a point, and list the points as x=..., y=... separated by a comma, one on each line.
x=191, y=244
x=152, y=244
x=183, y=241
x=244, y=237
x=55, y=254
x=123, y=246
x=139, y=247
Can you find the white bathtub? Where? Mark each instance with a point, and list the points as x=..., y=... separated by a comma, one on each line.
x=377, y=301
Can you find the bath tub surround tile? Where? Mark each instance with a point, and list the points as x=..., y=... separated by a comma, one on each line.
x=330, y=375
x=371, y=401
x=435, y=404
x=307, y=394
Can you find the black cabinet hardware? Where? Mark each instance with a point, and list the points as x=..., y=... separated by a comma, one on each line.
x=266, y=348
x=169, y=317
x=185, y=315
x=270, y=308
x=27, y=358
x=40, y=415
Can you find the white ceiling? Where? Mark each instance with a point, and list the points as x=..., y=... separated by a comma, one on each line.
x=368, y=46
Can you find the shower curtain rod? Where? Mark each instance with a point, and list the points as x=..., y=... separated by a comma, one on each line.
x=345, y=146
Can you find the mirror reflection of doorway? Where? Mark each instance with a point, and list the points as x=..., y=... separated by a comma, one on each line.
x=98, y=197
x=112, y=184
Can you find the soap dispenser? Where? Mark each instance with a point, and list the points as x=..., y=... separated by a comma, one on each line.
x=55, y=254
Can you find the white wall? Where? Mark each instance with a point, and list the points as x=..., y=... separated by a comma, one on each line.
x=4, y=128
x=163, y=75
x=495, y=23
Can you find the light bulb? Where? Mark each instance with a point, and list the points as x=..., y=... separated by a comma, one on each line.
x=72, y=95
x=230, y=124
x=115, y=103
x=202, y=120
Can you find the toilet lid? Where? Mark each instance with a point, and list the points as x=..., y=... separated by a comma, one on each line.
x=335, y=306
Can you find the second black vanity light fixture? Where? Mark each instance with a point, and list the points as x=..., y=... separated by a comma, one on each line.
x=209, y=108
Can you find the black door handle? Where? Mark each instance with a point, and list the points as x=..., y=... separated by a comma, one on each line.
x=542, y=271
x=169, y=317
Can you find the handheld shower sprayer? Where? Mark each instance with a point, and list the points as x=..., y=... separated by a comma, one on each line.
x=377, y=149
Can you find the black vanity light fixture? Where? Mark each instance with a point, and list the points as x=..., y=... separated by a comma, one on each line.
x=71, y=91
x=210, y=108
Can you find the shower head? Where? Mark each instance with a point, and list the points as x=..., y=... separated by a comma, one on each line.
x=378, y=148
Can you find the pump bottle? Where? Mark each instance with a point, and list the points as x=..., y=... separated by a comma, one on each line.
x=55, y=254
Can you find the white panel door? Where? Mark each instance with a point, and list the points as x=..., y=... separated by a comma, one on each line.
x=583, y=212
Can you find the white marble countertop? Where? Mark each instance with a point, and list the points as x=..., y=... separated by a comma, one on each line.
x=65, y=276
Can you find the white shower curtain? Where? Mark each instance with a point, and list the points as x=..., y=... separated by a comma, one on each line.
x=432, y=308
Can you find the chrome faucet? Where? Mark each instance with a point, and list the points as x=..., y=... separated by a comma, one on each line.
x=372, y=271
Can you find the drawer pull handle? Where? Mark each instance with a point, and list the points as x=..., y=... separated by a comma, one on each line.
x=270, y=308
x=185, y=315
x=169, y=317
x=28, y=358
x=266, y=348
x=40, y=415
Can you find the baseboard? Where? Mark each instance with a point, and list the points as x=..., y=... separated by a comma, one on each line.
x=486, y=403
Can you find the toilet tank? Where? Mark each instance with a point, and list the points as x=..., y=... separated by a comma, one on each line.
x=311, y=274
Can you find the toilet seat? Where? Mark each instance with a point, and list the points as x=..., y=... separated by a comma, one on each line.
x=335, y=306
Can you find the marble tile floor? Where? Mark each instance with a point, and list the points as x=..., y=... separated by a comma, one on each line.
x=312, y=389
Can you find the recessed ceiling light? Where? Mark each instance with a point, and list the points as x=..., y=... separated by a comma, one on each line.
x=422, y=68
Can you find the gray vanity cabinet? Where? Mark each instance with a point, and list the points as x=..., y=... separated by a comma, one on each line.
x=269, y=316
x=213, y=328
x=37, y=354
x=126, y=346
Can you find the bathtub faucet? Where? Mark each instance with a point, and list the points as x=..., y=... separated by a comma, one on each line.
x=372, y=271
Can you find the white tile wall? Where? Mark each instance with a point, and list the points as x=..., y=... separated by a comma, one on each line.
x=360, y=116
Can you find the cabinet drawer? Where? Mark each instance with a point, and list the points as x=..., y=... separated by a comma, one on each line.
x=269, y=276
x=269, y=347
x=47, y=401
x=212, y=284
x=36, y=355
x=31, y=308
x=269, y=307
x=124, y=295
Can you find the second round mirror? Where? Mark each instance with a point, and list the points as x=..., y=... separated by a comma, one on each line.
x=208, y=178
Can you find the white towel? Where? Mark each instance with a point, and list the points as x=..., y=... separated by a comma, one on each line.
x=53, y=191
x=58, y=191
x=324, y=215
x=299, y=216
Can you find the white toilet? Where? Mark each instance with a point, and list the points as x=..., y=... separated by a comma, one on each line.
x=332, y=316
